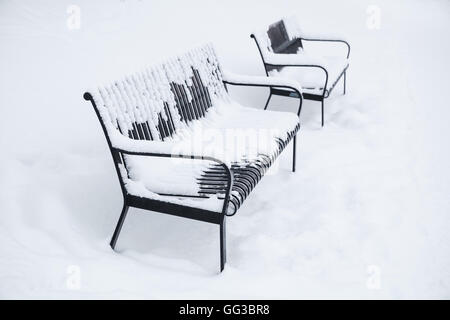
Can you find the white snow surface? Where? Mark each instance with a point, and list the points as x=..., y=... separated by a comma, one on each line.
x=366, y=215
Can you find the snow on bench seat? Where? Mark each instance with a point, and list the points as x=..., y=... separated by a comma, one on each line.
x=246, y=136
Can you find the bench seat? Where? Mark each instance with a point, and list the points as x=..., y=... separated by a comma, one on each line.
x=196, y=183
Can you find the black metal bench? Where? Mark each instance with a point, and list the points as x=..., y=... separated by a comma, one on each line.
x=281, y=48
x=149, y=119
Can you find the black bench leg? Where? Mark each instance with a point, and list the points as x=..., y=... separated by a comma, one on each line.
x=268, y=100
x=294, y=151
x=345, y=80
x=119, y=226
x=322, y=114
x=223, y=244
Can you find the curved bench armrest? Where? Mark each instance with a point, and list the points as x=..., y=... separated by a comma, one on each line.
x=288, y=59
x=320, y=39
x=158, y=149
x=258, y=81
x=122, y=144
x=130, y=146
x=293, y=63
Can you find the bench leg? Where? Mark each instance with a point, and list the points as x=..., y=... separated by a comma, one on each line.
x=268, y=100
x=294, y=151
x=119, y=226
x=322, y=114
x=345, y=80
x=223, y=244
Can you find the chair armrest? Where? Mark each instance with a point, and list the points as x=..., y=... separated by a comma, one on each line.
x=320, y=39
x=258, y=81
x=289, y=59
x=270, y=82
x=299, y=61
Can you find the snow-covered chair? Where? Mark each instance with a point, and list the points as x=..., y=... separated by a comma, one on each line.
x=168, y=129
x=283, y=55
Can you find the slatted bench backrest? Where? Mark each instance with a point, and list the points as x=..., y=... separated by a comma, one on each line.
x=154, y=103
x=280, y=40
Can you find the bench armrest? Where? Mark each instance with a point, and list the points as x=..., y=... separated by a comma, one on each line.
x=270, y=82
x=298, y=61
x=290, y=59
x=258, y=81
x=119, y=143
x=157, y=149
x=321, y=39
x=129, y=146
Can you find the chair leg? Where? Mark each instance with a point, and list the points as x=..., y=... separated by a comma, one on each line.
x=345, y=80
x=294, y=151
x=119, y=226
x=322, y=114
x=223, y=245
x=268, y=100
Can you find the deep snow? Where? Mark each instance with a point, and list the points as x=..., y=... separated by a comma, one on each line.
x=366, y=215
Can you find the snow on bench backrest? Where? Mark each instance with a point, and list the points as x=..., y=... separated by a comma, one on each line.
x=154, y=103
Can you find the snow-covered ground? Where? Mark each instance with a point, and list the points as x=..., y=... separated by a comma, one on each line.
x=366, y=215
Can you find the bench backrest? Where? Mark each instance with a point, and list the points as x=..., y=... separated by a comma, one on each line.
x=281, y=40
x=154, y=103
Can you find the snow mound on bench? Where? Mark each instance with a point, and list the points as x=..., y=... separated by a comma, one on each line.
x=229, y=132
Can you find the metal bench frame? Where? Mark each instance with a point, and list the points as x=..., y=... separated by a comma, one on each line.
x=176, y=209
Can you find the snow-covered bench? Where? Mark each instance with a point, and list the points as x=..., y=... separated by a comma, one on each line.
x=169, y=130
x=283, y=55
